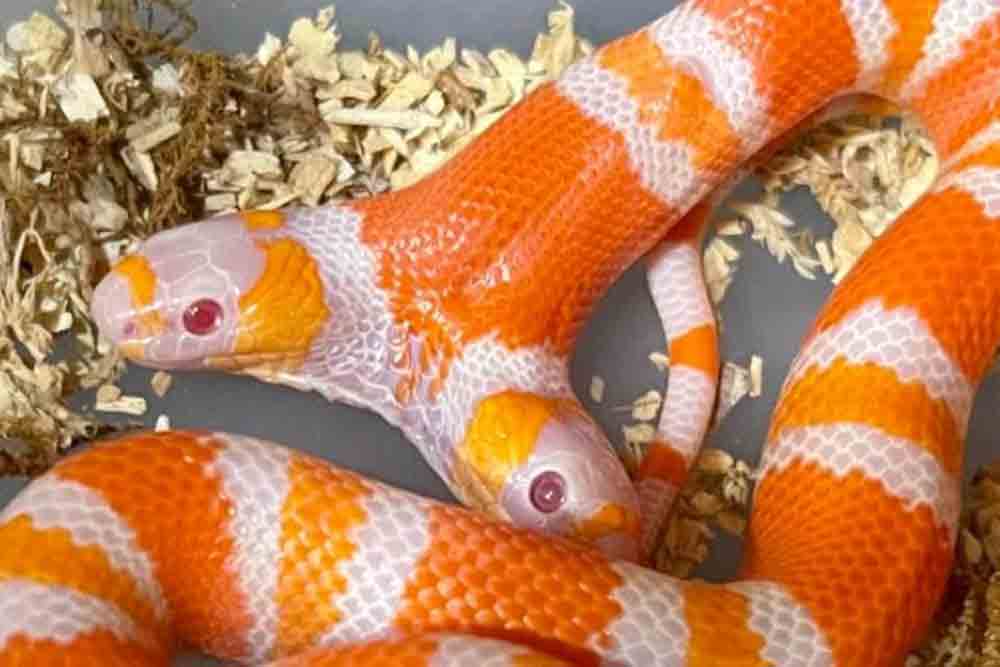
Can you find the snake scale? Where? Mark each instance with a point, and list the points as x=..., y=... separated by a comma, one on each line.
x=451, y=308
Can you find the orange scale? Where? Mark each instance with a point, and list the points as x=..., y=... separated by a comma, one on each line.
x=481, y=599
x=915, y=22
x=665, y=463
x=510, y=609
x=561, y=608
x=450, y=588
x=531, y=598
x=486, y=617
x=431, y=597
x=541, y=623
x=473, y=577
x=99, y=648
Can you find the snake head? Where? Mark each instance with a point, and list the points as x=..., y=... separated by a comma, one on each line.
x=543, y=463
x=220, y=293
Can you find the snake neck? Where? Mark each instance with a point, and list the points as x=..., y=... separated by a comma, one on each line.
x=369, y=355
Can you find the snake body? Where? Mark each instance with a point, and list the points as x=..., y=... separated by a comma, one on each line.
x=460, y=302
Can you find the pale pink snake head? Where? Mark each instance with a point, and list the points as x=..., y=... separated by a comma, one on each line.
x=573, y=484
x=218, y=294
x=544, y=463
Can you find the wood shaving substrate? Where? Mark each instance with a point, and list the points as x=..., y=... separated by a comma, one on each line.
x=111, y=130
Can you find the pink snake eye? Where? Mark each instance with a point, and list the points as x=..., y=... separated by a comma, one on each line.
x=548, y=492
x=202, y=317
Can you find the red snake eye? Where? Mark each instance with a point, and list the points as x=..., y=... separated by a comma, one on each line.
x=548, y=492
x=202, y=317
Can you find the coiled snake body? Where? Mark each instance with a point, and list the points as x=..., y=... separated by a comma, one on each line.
x=451, y=308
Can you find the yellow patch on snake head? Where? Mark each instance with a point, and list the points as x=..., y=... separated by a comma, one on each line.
x=282, y=314
x=141, y=280
x=609, y=520
x=499, y=439
x=541, y=462
x=263, y=220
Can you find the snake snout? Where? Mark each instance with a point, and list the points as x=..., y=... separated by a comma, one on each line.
x=614, y=529
x=111, y=308
x=123, y=307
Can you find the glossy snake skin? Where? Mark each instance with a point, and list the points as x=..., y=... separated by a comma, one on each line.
x=451, y=308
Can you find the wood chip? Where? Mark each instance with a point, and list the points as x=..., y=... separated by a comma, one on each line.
x=715, y=461
x=311, y=177
x=167, y=80
x=142, y=167
x=719, y=261
x=33, y=156
x=108, y=393
x=825, y=257
x=647, y=406
x=255, y=163
x=403, y=120
x=734, y=385
x=130, y=405
x=640, y=434
x=756, y=376
x=597, y=389
x=353, y=89
x=557, y=49
x=222, y=201
x=38, y=33
x=355, y=65
x=162, y=423
x=150, y=132
x=80, y=98
x=268, y=49
x=660, y=360
x=409, y=90
x=161, y=382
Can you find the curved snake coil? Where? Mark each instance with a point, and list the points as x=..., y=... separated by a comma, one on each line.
x=451, y=308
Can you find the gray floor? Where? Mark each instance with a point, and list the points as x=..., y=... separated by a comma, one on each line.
x=767, y=312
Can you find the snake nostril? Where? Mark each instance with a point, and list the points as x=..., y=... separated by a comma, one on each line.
x=548, y=492
x=130, y=330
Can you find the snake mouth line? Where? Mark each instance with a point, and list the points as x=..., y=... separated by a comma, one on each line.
x=254, y=363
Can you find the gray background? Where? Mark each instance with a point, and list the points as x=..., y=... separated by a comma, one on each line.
x=767, y=311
